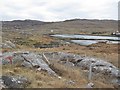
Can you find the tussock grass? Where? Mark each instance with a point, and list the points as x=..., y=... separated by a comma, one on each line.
x=41, y=79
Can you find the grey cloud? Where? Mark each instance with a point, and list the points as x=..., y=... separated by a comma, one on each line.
x=53, y=10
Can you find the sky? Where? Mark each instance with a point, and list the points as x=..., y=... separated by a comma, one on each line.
x=58, y=10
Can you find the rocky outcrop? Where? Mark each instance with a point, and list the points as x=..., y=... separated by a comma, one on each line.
x=97, y=65
x=35, y=60
x=14, y=82
x=84, y=62
x=27, y=59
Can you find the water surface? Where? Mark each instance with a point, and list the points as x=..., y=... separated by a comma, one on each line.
x=89, y=39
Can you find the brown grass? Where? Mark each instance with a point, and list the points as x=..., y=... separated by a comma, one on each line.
x=43, y=80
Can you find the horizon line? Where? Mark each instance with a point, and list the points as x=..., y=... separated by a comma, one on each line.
x=62, y=20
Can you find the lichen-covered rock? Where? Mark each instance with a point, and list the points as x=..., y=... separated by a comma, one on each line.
x=14, y=82
x=37, y=61
x=99, y=66
x=27, y=59
x=117, y=84
x=84, y=62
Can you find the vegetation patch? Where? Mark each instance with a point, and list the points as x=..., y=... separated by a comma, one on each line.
x=49, y=45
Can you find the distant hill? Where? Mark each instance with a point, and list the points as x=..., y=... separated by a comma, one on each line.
x=21, y=24
x=68, y=26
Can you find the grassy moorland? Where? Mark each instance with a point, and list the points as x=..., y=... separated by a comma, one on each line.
x=28, y=35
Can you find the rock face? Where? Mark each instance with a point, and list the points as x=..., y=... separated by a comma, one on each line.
x=84, y=62
x=98, y=66
x=14, y=82
x=34, y=60
x=116, y=83
x=27, y=59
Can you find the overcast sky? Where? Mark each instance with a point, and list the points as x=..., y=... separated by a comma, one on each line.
x=57, y=10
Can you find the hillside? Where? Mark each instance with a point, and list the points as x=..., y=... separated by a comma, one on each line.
x=36, y=60
x=69, y=26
